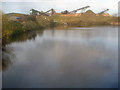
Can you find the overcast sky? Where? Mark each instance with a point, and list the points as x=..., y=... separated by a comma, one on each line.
x=23, y=6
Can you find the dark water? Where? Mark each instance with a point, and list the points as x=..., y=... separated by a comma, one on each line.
x=73, y=58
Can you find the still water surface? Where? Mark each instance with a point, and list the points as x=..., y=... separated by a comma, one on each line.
x=73, y=58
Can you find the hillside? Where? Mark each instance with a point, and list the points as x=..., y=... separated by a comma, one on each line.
x=16, y=14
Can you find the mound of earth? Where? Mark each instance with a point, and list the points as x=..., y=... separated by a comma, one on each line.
x=89, y=13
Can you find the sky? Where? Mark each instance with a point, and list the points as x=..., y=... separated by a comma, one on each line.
x=23, y=6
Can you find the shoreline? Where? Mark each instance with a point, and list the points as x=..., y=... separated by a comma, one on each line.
x=28, y=23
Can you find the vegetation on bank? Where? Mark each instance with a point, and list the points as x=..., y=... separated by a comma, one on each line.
x=11, y=28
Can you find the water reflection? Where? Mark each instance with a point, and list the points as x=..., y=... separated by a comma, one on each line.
x=22, y=37
x=6, y=57
x=84, y=58
x=8, y=52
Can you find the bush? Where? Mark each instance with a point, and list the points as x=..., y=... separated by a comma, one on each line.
x=29, y=25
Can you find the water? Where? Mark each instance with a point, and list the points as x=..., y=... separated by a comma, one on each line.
x=73, y=58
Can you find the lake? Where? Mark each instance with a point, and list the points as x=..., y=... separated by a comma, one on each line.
x=71, y=58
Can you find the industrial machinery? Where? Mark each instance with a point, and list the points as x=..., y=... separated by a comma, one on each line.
x=50, y=12
x=103, y=11
x=74, y=11
x=38, y=13
x=65, y=12
x=82, y=9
